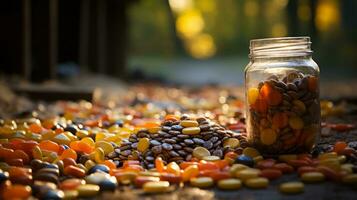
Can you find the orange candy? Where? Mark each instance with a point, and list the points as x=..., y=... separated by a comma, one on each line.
x=36, y=128
x=49, y=146
x=339, y=147
x=266, y=164
x=171, y=118
x=272, y=96
x=68, y=162
x=19, y=154
x=159, y=164
x=69, y=153
x=110, y=164
x=74, y=171
x=204, y=165
x=141, y=180
x=17, y=192
x=312, y=83
x=172, y=178
x=280, y=120
x=260, y=105
x=81, y=147
x=219, y=175
x=71, y=184
x=305, y=169
x=270, y=174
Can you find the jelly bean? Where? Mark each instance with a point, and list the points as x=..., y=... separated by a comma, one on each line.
x=260, y=105
x=253, y=94
x=312, y=177
x=245, y=160
x=202, y=182
x=296, y=123
x=265, y=164
x=235, y=168
x=200, y=152
x=291, y=187
x=268, y=136
x=98, y=168
x=350, y=179
x=126, y=177
x=99, y=155
x=71, y=184
x=3, y=176
x=36, y=128
x=17, y=192
x=141, y=180
x=61, y=139
x=74, y=171
x=272, y=96
x=106, y=146
x=189, y=123
x=159, y=164
x=109, y=184
x=82, y=133
x=70, y=194
x=329, y=173
x=143, y=144
x=191, y=130
x=172, y=178
x=190, y=172
x=88, y=141
x=110, y=164
x=348, y=167
x=305, y=169
x=251, y=152
x=68, y=153
x=246, y=174
x=229, y=184
x=49, y=146
x=96, y=178
x=231, y=155
x=88, y=190
x=257, y=183
x=173, y=168
x=270, y=174
x=332, y=163
x=280, y=120
x=231, y=143
x=298, y=163
x=89, y=164
x=219, y=175
x=156, y=187
x=37, y=153
x=211, y=158
x=312, y=83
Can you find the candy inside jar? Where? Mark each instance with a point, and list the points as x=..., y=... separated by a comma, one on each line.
x=282, y=96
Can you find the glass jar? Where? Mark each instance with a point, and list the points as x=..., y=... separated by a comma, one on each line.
x=282, y=96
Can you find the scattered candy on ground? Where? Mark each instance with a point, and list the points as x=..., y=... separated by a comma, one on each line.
x=86, y=149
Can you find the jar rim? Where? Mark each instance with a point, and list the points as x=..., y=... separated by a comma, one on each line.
x=280, y=47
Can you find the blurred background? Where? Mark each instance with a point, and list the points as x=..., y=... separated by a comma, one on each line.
x=190, y=42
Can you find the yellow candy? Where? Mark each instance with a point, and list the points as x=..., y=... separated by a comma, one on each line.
x=37, y=153
x=246, y=174
x=341, y=158
x=61, y=139
x=296, y=123
x=332, y=163
x=82, y=133
x=89, y=164
x=202, y=182
x=154, y=130
x=257, y=183
x=87, y=190
x=211, y=158
x=88, y=141
x=70, y=194
x=328, y=155
x=350, y=179
x=106, y=146
x=100, y=136
x=99, y=155
x=258, y=158
x=251, y=152
x=189, y=123
x=231, y=143
x=200, y=152
x=156, y=187
x=301, y=108
x=70, y=136
x=229, y=184
x=149, y=173
x=253, y=94
x=191, y=130
x=173, y=168
x=268, y=136
x=348, y=167
x=291, y=187
x=190, y=172
x=127, y=177
x=143, y=144
x=235, y=168
x=312, y=177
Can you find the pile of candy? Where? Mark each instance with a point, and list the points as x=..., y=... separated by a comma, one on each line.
x=83, y=149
